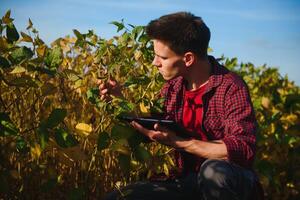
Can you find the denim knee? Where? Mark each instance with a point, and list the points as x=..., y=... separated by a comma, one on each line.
x=216, y=173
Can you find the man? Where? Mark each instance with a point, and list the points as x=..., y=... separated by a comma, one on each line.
x=208, y=100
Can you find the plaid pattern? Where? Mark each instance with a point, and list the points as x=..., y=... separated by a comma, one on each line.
x=228, y=115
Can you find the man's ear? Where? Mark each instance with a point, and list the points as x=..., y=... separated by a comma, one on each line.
x=189, y=58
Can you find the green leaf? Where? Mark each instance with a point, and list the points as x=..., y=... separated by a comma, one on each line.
x=141, y=80
x=29, y=24
x=43, y=134
x=119, y=132
x=56, y=117
x=121, y=147
x=124, y=162
x=7, y=127
x=93, y=95
x=137, y=139
x=142, y=154
x=119, y=25
x=276, y=116
x=103, y=141
x=4, y=62
x=25, y=81
x=21, y=145
x=12, y=33
x=54, y=58
x=64, y=139
x=137, y=31
x=78, y=34
x=20, y=54
x=291, y=100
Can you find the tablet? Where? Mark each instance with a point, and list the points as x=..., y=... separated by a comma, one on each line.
x=149, y=122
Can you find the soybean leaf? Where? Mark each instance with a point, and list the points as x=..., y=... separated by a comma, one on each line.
x=121, y=147
x=26, y=38
x=64, y=139
x=20, y=54
x=43, y=134
x=21, y=145
x=142, y=154
x=119, y=25
x=56, y=117
x=124, y=162
x=4, y=62
x=6, y=18
x=7, y=127
x=119, y=132
x=103, y=141
x=25, y=81
x=54, y=58
x=12, y=33
x=93, y=95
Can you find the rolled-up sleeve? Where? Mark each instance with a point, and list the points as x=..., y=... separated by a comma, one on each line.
x=240, y=125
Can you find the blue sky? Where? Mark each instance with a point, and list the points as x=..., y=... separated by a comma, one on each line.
x=257, y=31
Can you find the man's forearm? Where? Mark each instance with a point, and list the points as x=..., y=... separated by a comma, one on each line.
x=207, y=149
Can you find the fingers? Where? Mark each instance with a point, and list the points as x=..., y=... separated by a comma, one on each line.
x=139, y=127
x=112, y=82
x=161, y=128
x=149, y=133
x=106, y=88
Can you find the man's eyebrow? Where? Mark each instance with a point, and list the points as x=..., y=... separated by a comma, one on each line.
x=160, y=55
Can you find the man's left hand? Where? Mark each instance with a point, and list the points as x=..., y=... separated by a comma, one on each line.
x=159, y=134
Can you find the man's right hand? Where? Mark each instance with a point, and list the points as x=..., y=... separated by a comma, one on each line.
x=108, y=88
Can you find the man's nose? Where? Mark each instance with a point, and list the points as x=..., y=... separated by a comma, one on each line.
x=155, y=61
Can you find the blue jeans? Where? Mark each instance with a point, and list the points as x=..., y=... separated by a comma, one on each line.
x=217, y=179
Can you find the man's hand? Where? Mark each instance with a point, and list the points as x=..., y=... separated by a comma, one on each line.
x=108, y=88
x=159, y=134
x=215, y=149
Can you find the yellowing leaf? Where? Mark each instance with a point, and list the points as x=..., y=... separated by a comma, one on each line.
x=41, y=50
x=265, y=102
x=84, y=129
x=166, y=169
x=35, y=151
x=137, y=55
x=6, y=18
x=29, y=24
x=18, y=70
x=143, y=108
x=26, y=38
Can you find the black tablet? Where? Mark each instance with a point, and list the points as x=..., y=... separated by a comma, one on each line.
x=149, y=122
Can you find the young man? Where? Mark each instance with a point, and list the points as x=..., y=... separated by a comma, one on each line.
x=208, y=100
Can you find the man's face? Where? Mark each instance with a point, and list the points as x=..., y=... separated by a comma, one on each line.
x=169, y=64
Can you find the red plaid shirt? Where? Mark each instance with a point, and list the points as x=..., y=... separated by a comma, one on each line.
x=228, y=115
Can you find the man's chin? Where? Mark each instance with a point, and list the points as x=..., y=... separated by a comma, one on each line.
x=167, y=78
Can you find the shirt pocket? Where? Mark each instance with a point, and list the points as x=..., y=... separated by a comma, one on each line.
x=214, y=126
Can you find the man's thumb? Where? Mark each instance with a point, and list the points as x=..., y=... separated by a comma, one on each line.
x=112, y=82
x=159, y=127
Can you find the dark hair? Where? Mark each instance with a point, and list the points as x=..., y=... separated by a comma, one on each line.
x=182, y=31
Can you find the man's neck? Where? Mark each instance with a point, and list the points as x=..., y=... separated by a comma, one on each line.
x=197, y=74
